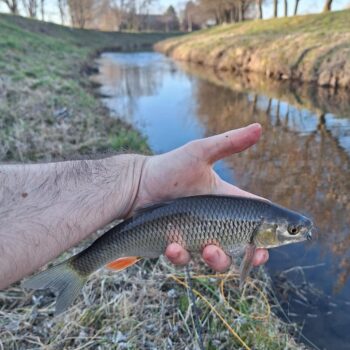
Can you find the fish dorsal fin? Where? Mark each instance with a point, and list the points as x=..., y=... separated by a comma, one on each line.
x=122, y=263
x=150, y=207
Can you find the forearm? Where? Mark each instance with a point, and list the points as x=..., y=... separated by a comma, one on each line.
x=47, y=208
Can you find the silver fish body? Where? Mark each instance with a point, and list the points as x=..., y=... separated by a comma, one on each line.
x=236, y=224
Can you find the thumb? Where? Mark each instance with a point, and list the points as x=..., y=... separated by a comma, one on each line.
x=220, y=146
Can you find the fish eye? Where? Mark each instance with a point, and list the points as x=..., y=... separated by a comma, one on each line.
x=293, y=230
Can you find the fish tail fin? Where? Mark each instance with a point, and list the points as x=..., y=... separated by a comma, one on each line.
x=63, y=279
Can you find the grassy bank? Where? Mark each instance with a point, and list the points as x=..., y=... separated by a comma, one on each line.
x=314, y=48
x=47, y=108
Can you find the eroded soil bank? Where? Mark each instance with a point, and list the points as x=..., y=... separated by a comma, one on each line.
x=313, y=48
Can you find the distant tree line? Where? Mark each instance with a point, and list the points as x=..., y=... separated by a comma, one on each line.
x=102, y=14
x=136, y=14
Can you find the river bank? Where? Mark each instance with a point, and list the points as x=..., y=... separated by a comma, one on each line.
x=47, y=104
x=313, y=48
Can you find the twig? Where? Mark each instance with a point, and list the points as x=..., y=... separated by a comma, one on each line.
x=194, y=310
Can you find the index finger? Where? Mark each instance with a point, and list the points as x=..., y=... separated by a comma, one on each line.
x=234, y=141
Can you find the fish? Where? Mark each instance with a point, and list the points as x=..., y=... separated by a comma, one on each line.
x=238, y=225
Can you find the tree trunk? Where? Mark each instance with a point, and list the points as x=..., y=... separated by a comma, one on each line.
x=327, y=6
x=241, y=11
x=13, y=6
x=42, y=5
x=61, y=9
x=260, y=10
x=189, y=23
x=285, y=8
x=275, y=8
x=296, y=7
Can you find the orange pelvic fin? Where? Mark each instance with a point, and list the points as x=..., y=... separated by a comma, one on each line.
x=122, y=263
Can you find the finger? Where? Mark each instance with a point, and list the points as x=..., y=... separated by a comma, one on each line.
x=177, y=255
x=260, y=257
x=220, y=146
x=216, y=258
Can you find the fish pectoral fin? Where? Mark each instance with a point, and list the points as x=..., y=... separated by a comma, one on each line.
x=246, y=264
x=122, y=263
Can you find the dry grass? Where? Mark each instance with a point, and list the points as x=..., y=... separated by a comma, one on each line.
x=148, y=307
x=312, y=48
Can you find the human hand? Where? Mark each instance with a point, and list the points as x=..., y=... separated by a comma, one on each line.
x=188, y=171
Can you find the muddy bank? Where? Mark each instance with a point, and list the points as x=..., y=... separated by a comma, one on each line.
x=314, y=48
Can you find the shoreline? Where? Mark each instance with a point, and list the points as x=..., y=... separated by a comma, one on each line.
x=307, y=49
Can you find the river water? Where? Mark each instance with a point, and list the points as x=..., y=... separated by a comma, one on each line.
x=302, y=161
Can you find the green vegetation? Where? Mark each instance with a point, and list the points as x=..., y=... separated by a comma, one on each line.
x=314, y=48
x=47, y=106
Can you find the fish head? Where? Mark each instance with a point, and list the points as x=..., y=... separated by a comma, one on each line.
x=282, y=226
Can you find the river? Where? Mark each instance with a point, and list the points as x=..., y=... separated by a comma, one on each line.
x=302, y=161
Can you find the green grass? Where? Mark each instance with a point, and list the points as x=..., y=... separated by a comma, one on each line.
x=313, y=48
x=47, y=106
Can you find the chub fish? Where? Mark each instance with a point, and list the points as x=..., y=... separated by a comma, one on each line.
x=238, y=225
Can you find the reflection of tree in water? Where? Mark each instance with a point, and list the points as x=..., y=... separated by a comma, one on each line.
x=125, y=84
x=297, y=166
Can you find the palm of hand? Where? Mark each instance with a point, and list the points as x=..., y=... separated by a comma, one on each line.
x=188, y=171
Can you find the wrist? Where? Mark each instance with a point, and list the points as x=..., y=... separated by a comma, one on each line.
x=127, y=170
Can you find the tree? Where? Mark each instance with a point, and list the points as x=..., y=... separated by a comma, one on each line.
x=42, y=7
x=62, y=9
x=31, y=7
x=80, y=12
x=259, y=7
x=170, y=19
x=327, y=6
x=285, y=8
x=189, y=14
x=296, y=7
x=275, y=8
x=12, y=5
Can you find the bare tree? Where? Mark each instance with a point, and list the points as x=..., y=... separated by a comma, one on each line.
x=31, y=7
x=80, y=12
x=275, y=8
x=259, y=7
x=285, y=8
x=189, y=15
x=12, y=5
x=296, y=7
x=62, y=9
x=42, y=7
x=327, y=6
x=119, y=10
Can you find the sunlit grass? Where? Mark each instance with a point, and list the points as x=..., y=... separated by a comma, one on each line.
x=313, y=48
x=47, y=106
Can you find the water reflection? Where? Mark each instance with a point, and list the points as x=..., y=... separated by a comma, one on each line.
x=302, y=160
x=129, y=81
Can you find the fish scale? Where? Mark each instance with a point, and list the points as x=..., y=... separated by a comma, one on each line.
x=230, y=222
x=196, y=222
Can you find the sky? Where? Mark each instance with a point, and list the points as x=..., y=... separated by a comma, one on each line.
x=159, y=6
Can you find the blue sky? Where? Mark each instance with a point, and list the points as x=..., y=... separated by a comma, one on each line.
x=305, y=6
